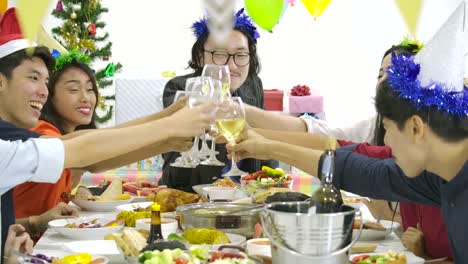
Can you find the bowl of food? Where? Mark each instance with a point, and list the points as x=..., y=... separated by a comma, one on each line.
x=105, y=202
x=86, y=228
x=214, y=193
x=266, y=178
x=227, y=217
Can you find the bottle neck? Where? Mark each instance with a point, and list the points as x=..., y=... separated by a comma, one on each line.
x=328, y=167
x=155, y=218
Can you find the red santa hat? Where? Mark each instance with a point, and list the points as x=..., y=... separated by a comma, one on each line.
x=11, y=38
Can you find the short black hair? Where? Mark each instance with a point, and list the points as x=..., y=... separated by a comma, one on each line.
x=196, y=62
x=50, y=114
x=408, y=50
x=390, y=105
x=11, y=61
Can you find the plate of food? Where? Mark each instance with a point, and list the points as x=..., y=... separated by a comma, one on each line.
x=135, y=211
x=266, y=178
x=197, y=254
x=373, y=230
x=82, y=258
x=212, y=237
x=106, y=248
x=106, y=202
x=83, y=228
x=389, y=257
x=139, y=190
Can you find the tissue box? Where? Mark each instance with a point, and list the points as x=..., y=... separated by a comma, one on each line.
x=273, y=100
x=306, y=104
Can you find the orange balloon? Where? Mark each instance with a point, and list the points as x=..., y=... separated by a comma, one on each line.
x=3, y=6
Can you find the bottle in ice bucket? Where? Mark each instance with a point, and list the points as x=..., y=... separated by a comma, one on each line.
x=155, y=230
x=327, y=199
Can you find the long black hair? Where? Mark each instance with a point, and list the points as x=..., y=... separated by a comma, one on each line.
x=196, y=62
x=407, y=49
x=50, y=114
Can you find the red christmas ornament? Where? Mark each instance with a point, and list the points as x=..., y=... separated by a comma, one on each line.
x=59, y=6
x=300, y=90
x=92, y=29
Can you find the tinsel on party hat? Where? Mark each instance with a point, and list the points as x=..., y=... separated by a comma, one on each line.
x=434, y=76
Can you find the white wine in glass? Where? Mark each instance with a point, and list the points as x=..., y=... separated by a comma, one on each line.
x=230, y=121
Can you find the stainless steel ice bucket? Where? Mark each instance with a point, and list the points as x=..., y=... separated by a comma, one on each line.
x=294, y=230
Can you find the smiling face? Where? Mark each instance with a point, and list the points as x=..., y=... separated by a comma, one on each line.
x=408, y=144
x=74, y=98
x=24, y=94
x=237, y=43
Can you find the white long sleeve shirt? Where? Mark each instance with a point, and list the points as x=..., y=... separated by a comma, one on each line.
x=37, y=160
x=362, y=131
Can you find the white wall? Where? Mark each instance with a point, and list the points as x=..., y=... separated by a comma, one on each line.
x=339, y=54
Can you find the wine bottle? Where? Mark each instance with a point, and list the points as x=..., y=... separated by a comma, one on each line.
x=327, y=199
x=155, y=230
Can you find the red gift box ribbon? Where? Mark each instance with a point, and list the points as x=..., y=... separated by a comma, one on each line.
x=300, y=90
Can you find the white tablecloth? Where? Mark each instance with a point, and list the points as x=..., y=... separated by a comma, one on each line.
x=52, y=244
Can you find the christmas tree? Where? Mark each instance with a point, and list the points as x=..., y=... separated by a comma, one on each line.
x=82, y=30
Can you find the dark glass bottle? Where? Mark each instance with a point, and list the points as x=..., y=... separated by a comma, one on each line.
x=327, y=199
x=155, y=230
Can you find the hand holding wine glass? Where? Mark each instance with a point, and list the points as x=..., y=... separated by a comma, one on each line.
x=230, y=121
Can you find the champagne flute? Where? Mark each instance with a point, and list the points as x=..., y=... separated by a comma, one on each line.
x=230, y=121
x=185, y=160
x=200, y=90
x=219, y=73
x=221, y=82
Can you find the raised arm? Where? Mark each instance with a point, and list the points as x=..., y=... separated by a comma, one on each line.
x=100, y=145
x=260, y=118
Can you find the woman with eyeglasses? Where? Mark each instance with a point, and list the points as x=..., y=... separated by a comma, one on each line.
x=240, y=55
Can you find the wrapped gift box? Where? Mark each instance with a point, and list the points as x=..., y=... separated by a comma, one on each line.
x=274, y=99
x=306, y=104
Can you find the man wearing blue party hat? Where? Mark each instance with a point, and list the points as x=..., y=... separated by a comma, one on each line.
x=424, y=106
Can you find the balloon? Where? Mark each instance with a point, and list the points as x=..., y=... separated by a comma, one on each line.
x=3, y=6
x=316, y=7
x=30, y=15
x=265, y=13
x=410, y=11
x=291, y=2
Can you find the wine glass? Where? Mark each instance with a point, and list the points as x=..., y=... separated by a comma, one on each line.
x=230, y=121
x=221, y=82
x=200, y=90
x=219, y=73
x=186, y=159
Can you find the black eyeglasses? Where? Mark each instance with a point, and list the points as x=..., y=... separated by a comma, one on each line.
x=241, y=59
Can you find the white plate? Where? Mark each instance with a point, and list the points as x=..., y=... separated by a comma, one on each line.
x=106, y=248
x=99, y=206
x=200, y=189
x=236, y=240
x=138, y=199
x=410, y=257
x=369, y=234
x=132, y=206
x=84, y=233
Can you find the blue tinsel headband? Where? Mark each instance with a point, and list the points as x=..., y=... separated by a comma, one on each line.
x=403, y=78
x=241, y=21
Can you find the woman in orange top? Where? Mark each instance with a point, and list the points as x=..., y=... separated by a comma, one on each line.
x=70, y=106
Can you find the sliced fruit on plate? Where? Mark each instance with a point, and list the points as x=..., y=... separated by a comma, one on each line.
x=113, y=191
